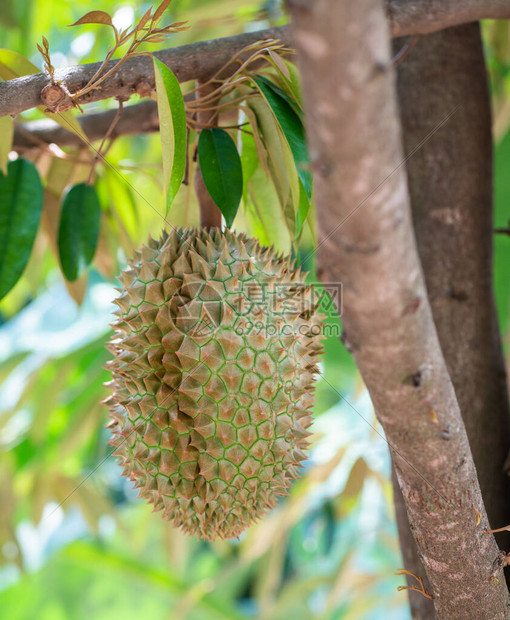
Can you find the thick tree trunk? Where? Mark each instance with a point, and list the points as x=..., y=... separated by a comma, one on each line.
x=422, y=608
x=450, y=181
x=367, y=243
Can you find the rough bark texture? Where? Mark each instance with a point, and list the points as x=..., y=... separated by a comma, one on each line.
x=355, y=146
x=422, y=608
x=138, y=118
x=425, y=16
x=199, y=60
x=189, y=62
x=450, y=181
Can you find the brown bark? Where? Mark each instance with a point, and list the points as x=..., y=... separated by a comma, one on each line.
x=210, y=215
x=199, y=60
x=425, y=16
x=450, y=182
x=138, y=118
x=422, y=608
x=189, y=62
x=355, y=146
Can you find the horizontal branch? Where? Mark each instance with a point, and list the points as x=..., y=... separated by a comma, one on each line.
x=138, y=118
x=189, y=62
x=198, y=61
x=423, y=16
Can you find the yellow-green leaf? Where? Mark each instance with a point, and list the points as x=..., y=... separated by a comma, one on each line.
x=14, y=65
x=6, y=131
x=172, y=124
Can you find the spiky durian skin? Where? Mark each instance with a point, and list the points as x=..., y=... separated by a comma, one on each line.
x=215, y=352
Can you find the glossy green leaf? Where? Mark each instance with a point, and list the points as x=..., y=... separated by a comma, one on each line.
x=172, y=123
x=284, y=92
x=78, y=229
x=13, y=65
x=21, y=199
x=292, y=128
x=221, y=170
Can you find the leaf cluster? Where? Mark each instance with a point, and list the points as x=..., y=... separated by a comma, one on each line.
x=254, y=134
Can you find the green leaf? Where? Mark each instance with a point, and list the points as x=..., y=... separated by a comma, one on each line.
x=172, y=123
x=291, y=86
x=280, y=163
x=284, y=93
x=303, y=208
x=79, y=229
x=265, y=217
x=13, y=65
x=292, y=128
x=6, y=131
x=222, y=171
x=21, y=199
x=249, y=157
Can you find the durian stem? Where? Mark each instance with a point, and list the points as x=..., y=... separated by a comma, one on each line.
x=210, y=215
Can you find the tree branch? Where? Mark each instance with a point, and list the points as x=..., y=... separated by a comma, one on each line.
x=199, y=60
x=451, y=195
x=425, y=16
x=138, y=118
x=189, y=62
x=354, y=138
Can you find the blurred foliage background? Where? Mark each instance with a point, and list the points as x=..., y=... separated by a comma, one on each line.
x=75, y=542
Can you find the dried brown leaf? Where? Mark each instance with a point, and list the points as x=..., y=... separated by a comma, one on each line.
x=278, y=61
x=160, y=10
x=95, y=17
x=144, y=20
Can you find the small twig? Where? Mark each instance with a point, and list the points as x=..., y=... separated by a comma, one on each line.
x=503, y=231
x=185, y=180
x=419, y=588
x=219, y=106
x=273, y=45
x=501, y=529
x=106, y=136
x=192, y=123
x=398, y=58
x=45, y=53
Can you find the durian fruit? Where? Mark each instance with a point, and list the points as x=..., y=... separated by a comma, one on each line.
x=215, y=350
